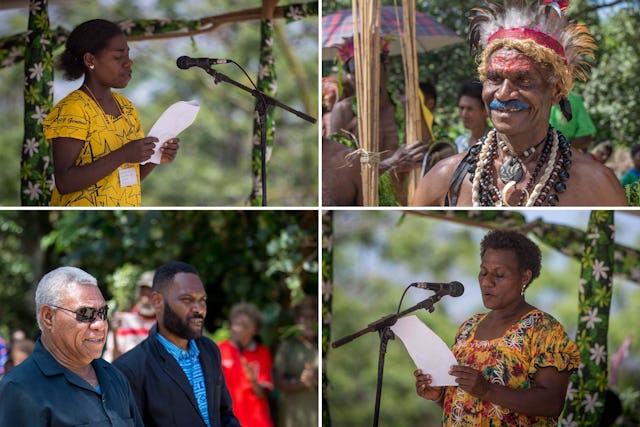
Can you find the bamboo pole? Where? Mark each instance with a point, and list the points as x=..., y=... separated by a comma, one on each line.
x=366, y=43
x=413, y=112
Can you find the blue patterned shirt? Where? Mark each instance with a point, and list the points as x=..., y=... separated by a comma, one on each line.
x=190, y=364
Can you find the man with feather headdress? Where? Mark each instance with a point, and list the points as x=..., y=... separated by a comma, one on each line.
x=529, y=55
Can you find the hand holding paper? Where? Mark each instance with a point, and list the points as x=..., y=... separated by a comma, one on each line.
x=174, y=120
x=427, y=350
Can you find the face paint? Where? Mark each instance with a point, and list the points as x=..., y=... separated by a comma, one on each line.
x=518, y=96
x=509, y=65
x=511, y=105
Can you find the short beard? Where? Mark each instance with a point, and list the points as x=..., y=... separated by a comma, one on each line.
x=174, y=324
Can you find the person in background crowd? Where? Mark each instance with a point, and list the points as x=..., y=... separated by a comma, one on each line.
x=4, y=355
x=130, y=328
x=296, y=369
x=344, y=118
x=580, y=130
x=176, y=373
x=19, y=351
x=64, y=382
x=472, y=113
x=633, y=174
x=602, y=152
x=246, y=365
x=430, y=95
x=330, y=95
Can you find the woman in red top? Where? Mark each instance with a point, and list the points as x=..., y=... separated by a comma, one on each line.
x=246, y=365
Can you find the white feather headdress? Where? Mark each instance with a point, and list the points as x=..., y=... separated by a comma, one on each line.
x=540, y=30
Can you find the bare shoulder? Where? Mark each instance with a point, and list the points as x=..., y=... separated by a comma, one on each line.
x=434, y=185
x=340, y=175
x=592, y=184
x=341, y=115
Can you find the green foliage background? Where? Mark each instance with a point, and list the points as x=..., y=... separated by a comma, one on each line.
x=269, y=258
x=213, y=167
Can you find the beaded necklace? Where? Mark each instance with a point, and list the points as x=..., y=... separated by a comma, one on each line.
x=512, y=170
x=555, y=158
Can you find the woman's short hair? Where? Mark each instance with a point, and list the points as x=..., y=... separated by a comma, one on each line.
x=53, y=287
x=249, y=310
x=92, y=37
x=527, y=253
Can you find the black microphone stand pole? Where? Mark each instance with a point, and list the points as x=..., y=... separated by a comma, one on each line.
x=264, y=101
x=383, y=327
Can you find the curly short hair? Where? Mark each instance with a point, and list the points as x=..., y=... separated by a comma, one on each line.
x=527, y=253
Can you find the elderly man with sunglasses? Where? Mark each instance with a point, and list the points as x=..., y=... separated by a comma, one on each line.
x=65, y=382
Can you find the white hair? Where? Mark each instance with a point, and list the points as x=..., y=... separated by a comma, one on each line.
x=54, y=285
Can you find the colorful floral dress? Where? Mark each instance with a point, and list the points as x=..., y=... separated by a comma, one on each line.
x=536, y=341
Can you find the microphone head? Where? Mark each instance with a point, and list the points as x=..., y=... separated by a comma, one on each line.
x=457, y=289
x=184, y=62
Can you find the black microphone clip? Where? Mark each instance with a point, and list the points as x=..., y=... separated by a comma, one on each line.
x=454, y=289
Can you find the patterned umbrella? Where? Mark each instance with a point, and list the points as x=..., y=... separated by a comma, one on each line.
x=429, y=33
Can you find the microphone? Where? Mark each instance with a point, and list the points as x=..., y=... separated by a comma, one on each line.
x=185, y=62
x=455, y=289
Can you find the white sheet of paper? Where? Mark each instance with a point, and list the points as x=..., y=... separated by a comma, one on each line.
x=427, y=349
x=174, y=120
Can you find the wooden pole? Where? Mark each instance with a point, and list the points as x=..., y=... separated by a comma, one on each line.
x=413, y=113
x=366, y=43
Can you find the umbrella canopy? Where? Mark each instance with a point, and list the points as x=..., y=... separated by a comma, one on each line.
x=430, y=34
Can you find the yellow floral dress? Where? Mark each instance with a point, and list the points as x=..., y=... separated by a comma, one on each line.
x=536, y=341
x=78, y=116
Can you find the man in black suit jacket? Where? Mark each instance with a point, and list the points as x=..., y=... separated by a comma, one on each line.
x=176, y=373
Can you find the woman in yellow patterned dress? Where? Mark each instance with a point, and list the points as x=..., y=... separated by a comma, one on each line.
x=98, y=143
x=515, y=360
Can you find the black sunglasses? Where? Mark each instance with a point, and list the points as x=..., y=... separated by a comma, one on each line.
x=87, y=314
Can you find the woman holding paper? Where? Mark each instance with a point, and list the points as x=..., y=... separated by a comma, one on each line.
x=96, y=135
x=514, y=361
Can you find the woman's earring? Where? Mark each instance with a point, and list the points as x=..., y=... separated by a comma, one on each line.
x=91, y=67
x=523, y=288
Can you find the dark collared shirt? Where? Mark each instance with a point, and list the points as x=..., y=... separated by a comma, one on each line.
x=42, y=392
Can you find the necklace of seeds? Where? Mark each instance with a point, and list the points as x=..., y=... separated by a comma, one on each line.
x=485, y=191
x=557, y=177
x=544, y=156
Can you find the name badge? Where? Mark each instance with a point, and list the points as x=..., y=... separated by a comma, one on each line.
x=128, y=177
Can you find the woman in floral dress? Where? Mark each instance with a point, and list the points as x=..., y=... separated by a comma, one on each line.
x=514, y=361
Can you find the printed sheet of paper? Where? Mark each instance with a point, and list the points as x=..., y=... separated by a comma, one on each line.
x=174, y=120
x=427, y=349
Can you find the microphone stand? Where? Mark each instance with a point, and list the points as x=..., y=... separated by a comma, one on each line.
x=383, y=327
x=264, y=101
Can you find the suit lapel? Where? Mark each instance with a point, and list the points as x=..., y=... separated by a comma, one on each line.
x=211, y=381
x=173, y=370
